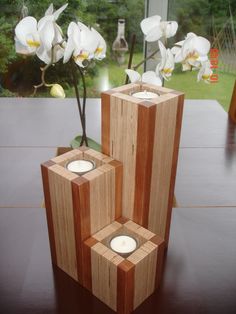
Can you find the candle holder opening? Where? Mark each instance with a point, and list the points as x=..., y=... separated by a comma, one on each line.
x=80, y=166
x=135, y=240
x=123, y=244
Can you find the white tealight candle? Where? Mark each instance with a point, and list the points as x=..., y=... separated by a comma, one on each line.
x=80, y=166
x=145, y=95
x=123, y=244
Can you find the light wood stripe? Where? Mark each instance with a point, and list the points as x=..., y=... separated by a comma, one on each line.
x=71, y=155
x=123, y=146
x=102, y=196
x=165, y=128
x=63, y=218
x=104, y=274
x=81, y=209
x=48, y=205
x=118, y=187
x=171, y=201
x=105, y=232
x=145, y=260
x=105, y=123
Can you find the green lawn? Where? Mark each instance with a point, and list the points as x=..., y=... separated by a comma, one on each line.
x=187, y=83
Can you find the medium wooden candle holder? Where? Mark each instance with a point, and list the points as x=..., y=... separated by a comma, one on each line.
x=78, y=206
x=123, y=283
x=144, y=136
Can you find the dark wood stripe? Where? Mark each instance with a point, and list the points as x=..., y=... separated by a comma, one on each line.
x=174, y=164
x=48, y=205
x=125, y=287
x=81, y=208
x=144, y=155
x=63, y=150
x=118, y=187
x=122, y=220
x=160, y=258
x=87, y=263
x=106, y=123
x=232, y=108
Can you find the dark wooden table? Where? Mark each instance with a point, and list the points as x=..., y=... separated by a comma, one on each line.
x=200, y=267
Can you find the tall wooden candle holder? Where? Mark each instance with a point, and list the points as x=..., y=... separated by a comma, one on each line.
x=78, y=206
x=123, y=283
x=144, y=136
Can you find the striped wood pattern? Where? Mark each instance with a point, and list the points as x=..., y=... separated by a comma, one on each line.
x=165, y=128
x=125, y=287
x=232, y=108
x=63, y=218
x=104, y=274
x=102, y=197
x=160, y=258
x=81, y=207
x=78, y=206
x=148, y=149
x=144, y=156
x=69, y=156
x=172, y=201
x=123, y=145
x=123, y=284
x=145, y=260
x=48, y=205
x=87, y=267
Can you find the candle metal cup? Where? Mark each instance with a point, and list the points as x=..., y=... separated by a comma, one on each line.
x=123, y=254
x=145, y=95
x=93, y=166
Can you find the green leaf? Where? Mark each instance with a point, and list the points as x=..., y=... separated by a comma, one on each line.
x=75, y=143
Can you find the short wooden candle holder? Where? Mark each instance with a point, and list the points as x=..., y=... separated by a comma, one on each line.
x=78, y=206
x=123, y=283
x=144, y=136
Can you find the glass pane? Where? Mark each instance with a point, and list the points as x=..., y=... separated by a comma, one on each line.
x=216, y=21
x=19, y=73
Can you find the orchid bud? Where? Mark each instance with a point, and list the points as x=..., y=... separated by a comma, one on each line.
x=57, y=91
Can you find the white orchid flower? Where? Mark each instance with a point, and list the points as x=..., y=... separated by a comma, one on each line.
x=191, y=52
x=147, y=77
x=51, y=36
x=89, y=44
x=205, y=72
x=83, y=44
x=167, y=64
x=154, y=29
x=27, y=40
x=100, y=52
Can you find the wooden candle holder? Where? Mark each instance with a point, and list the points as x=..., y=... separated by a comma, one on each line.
x=78, y=206
x=144, y=136
x=123, y=283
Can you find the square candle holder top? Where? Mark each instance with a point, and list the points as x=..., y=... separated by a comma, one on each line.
x=144, y=136
x=123, y=283
x=79, y=205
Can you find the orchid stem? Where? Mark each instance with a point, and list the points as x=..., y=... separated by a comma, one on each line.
x=84, y=137
x=135, y=67
x=133, y=40
x=82, y=116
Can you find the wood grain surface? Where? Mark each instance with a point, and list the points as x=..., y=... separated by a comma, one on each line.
x=145, y=136
x=232, y=108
